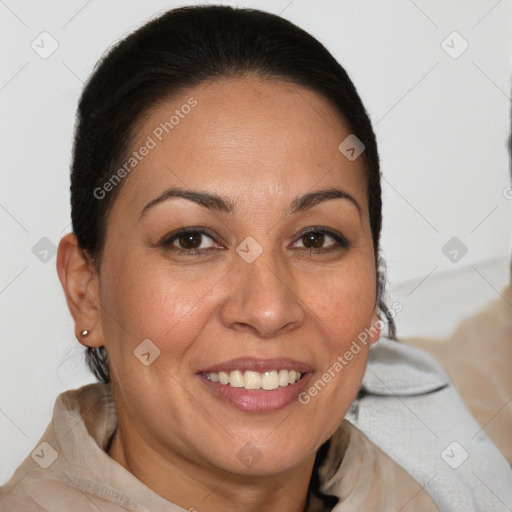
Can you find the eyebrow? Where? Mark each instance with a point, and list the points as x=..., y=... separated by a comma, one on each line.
x=225, y=205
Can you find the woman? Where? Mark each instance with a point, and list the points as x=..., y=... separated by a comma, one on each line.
x=223, y=265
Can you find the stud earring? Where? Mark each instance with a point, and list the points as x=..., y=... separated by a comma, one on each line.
x=85, y=332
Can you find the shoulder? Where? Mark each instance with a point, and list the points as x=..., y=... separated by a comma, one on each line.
x=39, y=490
x=364, y=477
x=51, y=477
x=409, y=407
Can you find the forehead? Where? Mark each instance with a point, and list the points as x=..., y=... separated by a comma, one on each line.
x=242, y=137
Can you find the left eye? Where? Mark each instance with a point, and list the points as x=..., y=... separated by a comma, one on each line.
x=189, y=241
x=316, y=239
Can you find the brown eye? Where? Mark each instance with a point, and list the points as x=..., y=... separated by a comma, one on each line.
x=188, y=241
x=314, y=240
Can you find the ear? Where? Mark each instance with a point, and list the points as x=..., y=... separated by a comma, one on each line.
x=375, y=329
x=81, y=287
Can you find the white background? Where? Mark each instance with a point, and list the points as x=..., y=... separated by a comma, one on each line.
x=442, y=126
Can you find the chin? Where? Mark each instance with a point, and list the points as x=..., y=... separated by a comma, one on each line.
x=261, y=458
x=260, y=464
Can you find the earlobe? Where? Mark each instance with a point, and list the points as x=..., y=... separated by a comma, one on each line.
x=81, y=288
x=375, y=329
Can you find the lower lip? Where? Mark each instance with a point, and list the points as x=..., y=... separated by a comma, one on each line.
x=258, y=400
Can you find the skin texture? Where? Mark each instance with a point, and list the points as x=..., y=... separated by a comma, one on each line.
x=260, y=143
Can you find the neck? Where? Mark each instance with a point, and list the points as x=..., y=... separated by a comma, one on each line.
x=182, y=481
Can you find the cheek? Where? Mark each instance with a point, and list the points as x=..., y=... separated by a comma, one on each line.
x=344, y=307
x=345, y=300
x=148, y=297
x=149, y=300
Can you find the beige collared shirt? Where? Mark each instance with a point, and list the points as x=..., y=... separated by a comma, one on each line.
x=70, y=470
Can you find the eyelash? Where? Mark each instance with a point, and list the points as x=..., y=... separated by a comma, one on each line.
x=340, y=241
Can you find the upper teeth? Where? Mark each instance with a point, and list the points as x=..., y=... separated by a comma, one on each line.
x=255, y=380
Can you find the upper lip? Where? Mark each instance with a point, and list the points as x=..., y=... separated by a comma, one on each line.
x=258, y=365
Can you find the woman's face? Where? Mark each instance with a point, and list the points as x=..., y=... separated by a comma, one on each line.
x=259, y=295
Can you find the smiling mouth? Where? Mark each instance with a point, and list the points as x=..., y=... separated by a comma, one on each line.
x=252, y=380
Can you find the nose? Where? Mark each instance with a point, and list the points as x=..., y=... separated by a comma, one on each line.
x=264, y=297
